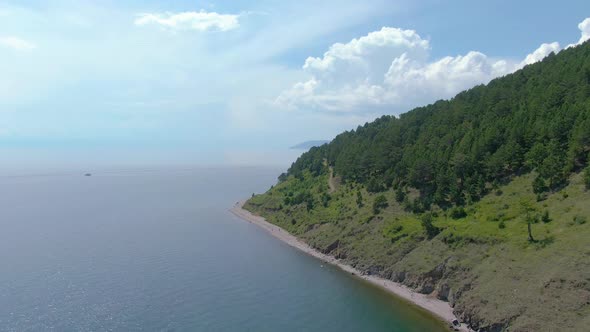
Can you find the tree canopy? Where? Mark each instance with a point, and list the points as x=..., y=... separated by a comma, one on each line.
x=454, y=151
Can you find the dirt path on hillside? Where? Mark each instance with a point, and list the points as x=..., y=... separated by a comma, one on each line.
x=331, y=181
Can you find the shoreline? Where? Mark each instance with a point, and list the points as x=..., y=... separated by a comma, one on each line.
x=438, y=308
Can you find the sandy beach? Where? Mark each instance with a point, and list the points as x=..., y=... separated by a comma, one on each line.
x=439, y=308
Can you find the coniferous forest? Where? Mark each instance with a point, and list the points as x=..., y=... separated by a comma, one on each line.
x=453, y=152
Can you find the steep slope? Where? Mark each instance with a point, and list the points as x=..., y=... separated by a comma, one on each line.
x=481, y=200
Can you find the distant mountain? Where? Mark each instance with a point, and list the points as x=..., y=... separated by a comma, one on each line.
x=309, y=144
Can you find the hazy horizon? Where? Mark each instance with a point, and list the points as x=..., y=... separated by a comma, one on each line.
x=106, y=84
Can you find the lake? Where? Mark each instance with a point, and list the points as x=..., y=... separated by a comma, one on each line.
x=158, y=250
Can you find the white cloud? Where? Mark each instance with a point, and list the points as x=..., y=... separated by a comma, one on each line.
x=541, y=52
x=584, y=27
x=386, y=68
x=368, y=56
x=409, y=82
x=200, y=21
x=391, y=69
x=16, y=43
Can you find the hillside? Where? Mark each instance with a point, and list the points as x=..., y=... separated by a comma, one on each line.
x=481, y=200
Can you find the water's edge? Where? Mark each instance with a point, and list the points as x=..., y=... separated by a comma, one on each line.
x=440, y=309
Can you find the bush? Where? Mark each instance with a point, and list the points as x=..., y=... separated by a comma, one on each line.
x=359, y=199
x=580, y=220
x=326, y=199
x=379, y=203
x=545, y=218
x=502, y=225
x=400, y=195
x=587, y=177
x=414, y=206
x=457, y=213
x=374, y=186
x=429, y=228
x=539, y=185
x=309, y=205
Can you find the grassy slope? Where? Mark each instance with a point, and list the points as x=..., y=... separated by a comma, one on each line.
x=493, y=276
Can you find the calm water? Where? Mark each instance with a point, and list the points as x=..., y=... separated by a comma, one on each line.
x=158, y=251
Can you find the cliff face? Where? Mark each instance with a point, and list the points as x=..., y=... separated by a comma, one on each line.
x=479, y=260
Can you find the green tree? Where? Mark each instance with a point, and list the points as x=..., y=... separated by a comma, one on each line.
x=539, y=185
x=546, y=218
x=527, y=211
x=399, y=194
x=379, y=203
x=283, y=177
x=536, y=155
x=457, y=212
x=426, y=221
x=309, y=205
x=359, y=199
x=552, y=167
x=373, y=186
x=587, y=177
x=326, y=199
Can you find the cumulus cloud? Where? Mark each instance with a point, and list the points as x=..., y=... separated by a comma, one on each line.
x=584, y=27
x=368, y=56
x=200, y=21
x=16, y=43
x=540, y=53
x=391, y=68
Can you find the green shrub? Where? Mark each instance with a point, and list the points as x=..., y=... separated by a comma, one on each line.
x=400, y=195
x=457, y=212
x=545, y=218
x=539, y=185
x=374, y=186
x=431, y=230
x=580, y=220
x=359, y=199
x=502, y=225
x=379, y=203
x=326, y=199
x=397, y=229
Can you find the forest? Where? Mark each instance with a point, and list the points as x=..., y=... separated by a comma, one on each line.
x=455, y=151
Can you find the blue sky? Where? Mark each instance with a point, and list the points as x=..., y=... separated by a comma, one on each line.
x=103, y=83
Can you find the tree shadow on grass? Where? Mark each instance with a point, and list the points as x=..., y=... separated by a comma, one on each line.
x=540, y=244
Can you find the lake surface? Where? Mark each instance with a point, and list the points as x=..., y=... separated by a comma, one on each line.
x=158, y=251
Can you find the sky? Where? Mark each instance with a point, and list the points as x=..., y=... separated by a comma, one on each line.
x=145, y=83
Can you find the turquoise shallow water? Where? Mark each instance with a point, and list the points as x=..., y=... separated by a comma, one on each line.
x=157, y=250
